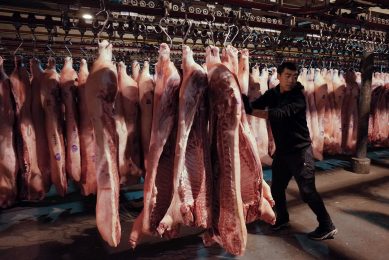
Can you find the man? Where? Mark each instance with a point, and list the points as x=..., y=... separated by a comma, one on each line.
x=293, y=157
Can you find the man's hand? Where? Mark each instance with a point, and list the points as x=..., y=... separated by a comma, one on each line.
x=260, y=113
x=246, y=103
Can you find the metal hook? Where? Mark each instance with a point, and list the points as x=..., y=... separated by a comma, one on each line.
x=20, y=45
x=165, y=32
x=228, y=34
x=104, y=24
x=187, y=32
x=210, y=28
x=237, y=32
x=66, y=47
x=48, y=47
x=85, y=54
x=251, y=33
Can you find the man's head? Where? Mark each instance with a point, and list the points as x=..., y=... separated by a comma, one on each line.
x=287, y=75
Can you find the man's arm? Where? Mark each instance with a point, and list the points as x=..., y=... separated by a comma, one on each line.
x=260, y=103
x=289, y=110
x=260, y=113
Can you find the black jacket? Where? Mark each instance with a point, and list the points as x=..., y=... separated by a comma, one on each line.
x=287, y=116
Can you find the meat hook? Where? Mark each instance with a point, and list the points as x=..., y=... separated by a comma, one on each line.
x=48, y=47
x=102, y=10
x=66, y=47
x=210, y=27
x=104, y=24
x=228, y=34
x=20, y=45
x=165, y=32
x=187, y=31
x=249, y=35
x=84, y=53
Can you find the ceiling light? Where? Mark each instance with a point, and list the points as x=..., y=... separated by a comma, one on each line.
x=87, y=16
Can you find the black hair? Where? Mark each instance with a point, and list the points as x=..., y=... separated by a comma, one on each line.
x=286, y=65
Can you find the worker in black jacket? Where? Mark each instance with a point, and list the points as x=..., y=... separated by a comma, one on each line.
x=286, y=111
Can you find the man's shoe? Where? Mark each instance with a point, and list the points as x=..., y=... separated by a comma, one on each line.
x=321, y=233
x=280, y=225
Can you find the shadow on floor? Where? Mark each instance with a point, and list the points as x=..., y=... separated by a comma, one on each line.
x=376, y=218
x=87, y=245
x=295, y=237
x=358, y=187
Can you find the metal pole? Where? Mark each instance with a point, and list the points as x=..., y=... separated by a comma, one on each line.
x=360, y=163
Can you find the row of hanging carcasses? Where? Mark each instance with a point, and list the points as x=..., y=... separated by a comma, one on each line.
x=85, y=114
x=332, y=114
x=46, y=134
x=332, y=110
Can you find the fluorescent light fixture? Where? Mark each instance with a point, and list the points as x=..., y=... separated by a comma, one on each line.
x=87, y=16
x=314, y=35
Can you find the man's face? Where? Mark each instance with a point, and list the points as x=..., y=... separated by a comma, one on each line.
x=287, y=78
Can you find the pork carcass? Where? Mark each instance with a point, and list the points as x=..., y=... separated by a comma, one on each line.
x=38, y=119
x=146, y=94
x=273, y=81
x=229, y=229
x=191, y=202
x=8, y=161
x=68, y=86
x=121, y=128
x=212, y=57
x=339, y=85
x=315, y=134
x=204, y=65
x=87, y=136
x=230, y=59
x=135, y=70
x=254, y=84
x=130, y=171
x=377, y=90
x=381, y=123
x=386, y=109
x=264, y=79
x=101, y=89
x=51, y=100
x=321, y=99
x=303, y=79
x=258, y=125
x=254, y=207
x=350, y=114
x=244, y=72
x=160, y=162
x=329, y=114
x=33, y=181
x=358, y=79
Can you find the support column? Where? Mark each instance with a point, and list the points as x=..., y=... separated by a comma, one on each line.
x=360, y=163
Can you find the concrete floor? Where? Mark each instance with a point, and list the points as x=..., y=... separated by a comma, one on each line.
x=65, y=228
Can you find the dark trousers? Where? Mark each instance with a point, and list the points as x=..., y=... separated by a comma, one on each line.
x=301, y=166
